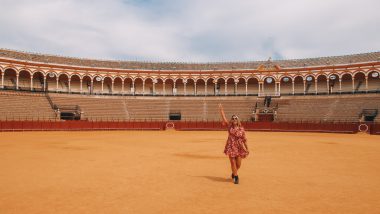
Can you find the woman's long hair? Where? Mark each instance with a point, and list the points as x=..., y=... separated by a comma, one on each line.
x=231, y=123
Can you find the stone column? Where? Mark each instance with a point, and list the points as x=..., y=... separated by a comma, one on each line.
x=69, y=85
x=304, y=86
x=174, y=89
x=31, y=82
x=293, y=87
x=143, y=87
x=259, y=88
x=164, y=87
x=195, y=88
x=328, y=86
x=44, y=83
x=275, y=88
x=2, y=79
x=112, y=86
x=92, y=86
x=184, y=85
x=122, y=86
x=17, y=77
x=236, y=87
x=56, y=88
x=205, y=88
x=316, y=86
x=154, y=86
x=102, y=85
x=366, y=83
x=81, y=85
x=340, y=85
x=133, y=88
x=215, y=87
x=246, y=88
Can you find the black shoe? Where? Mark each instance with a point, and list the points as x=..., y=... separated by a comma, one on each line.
x=232, y=176
x=236, y=179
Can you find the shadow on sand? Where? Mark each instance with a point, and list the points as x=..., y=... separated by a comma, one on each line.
x=216, y=179
x=197, y=156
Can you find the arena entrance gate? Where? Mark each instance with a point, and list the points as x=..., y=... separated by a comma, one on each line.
x=265, y=110
x=175, y=115
x=368, y=115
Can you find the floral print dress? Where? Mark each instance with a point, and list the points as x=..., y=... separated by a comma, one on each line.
x=235, y=142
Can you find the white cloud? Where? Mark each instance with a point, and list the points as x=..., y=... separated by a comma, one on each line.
x=196, y=30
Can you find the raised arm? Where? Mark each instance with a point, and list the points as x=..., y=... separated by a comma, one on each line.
x=224, y=119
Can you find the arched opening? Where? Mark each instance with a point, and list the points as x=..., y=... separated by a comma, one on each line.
x=169, y=87
x=107, y=85
x=159, y=87
x=63, y=83
x=138, y=89
x=240, y=90
x=253, y=86
x=86, y=85
x=200, y=87
x=269, y=86
x=38, y=81
x=286, y=85
x=322, y=86
x=211, y=87
x=298, y=85
x=310, y=86
x=333, y=83
x=359, y=82
x=117, y=85
x=347, y=83
x=231, y=88
x=75, y=83
x=97, y=85
x=374, y=81
x=128, y=86
x=220, y=87
x=148, y=89
x=24, y=82
x=10, y=78
x=190, y=89
x=51, y=81
x=179, y=87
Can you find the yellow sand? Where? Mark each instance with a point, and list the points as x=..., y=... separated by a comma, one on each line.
x=186, y=172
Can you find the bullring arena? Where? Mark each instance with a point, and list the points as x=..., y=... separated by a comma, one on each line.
x=99, y=136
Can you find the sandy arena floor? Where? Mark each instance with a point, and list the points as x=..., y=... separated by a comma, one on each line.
x=186, y=172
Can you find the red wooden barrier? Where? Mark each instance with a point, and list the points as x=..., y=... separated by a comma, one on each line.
x=375, y=129
x=184, y=125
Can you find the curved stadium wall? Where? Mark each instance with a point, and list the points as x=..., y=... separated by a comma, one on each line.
x=163, y=87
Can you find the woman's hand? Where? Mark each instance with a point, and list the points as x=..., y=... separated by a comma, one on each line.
x=224, y=119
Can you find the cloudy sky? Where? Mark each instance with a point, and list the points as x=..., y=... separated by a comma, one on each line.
x=191, y=30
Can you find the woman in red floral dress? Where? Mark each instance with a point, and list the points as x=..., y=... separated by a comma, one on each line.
x=236, y=146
